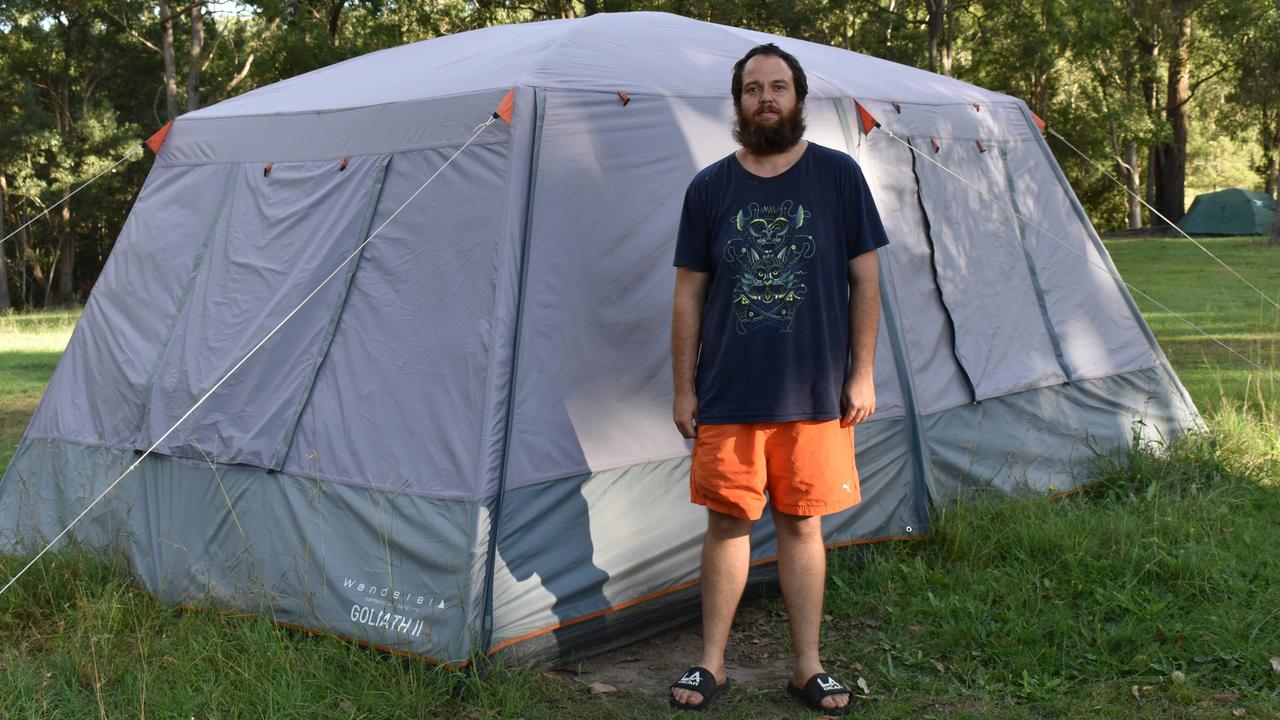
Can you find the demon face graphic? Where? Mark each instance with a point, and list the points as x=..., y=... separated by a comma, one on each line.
x=769, y=255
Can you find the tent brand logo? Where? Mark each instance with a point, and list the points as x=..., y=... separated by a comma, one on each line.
x=400, y=624
x=387, y=596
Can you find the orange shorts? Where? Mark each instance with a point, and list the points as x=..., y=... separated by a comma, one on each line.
x=806, y=466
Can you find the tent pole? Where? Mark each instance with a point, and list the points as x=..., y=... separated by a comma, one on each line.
x=919, y=447
x=495, y=519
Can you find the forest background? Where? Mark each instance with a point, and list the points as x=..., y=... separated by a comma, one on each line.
x=1173, y=97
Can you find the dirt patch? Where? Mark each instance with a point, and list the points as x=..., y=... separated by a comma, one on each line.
x=759, y=656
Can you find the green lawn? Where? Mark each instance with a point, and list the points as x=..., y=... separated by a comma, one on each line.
x=30, y=345
x=1182, y=277
x=1155, y=594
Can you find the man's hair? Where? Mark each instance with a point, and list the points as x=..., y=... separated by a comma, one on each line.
x=797, y=73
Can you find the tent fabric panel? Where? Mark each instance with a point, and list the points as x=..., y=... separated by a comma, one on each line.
x=285, y=233
x=594, y=388
x=1097, y=332
x=97, y=393
x=890, y=389
x=1018, y=218
x=1000, y=336
x=573, y=547
x=594, y=382
x=946, y=119
x=923, y=323
x=526, y=124
x=1046, y=440
x=364, y=565
x=311, y=136
x=51, y=481
x=398, y=403
x=639, y=52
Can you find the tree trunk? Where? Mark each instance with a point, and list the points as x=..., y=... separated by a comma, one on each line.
x=1275, y=228
x=166, y=50
x=939, y=40
x=1149, y=55
x=66, y=288
x=4, y=269
x=1272, y=149
x=1133, y=181
x=590, y=7
x=335, y=19
x=193, y=60
x=32, y=263
x=1171, y=157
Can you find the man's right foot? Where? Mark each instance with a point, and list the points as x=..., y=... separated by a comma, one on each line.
x=697, y=688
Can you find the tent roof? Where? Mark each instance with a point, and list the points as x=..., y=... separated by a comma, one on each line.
x=639, y=52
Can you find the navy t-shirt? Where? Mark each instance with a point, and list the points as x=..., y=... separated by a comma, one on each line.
x=775, y=326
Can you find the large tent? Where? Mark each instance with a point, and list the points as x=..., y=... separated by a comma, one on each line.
x=1234, y=211
x=462, y=444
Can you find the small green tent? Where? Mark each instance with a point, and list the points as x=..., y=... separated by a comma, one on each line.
x=1230, y=212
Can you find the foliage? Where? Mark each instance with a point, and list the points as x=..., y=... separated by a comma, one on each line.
x=87, y=83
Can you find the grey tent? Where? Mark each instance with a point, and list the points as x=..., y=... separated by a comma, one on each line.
x=463, y=443
x=1233, y=211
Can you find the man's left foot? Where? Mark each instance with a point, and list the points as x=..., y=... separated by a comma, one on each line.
x=822, y=693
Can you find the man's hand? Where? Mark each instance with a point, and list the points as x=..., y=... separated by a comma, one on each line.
x=857, y=400
x=686, y=413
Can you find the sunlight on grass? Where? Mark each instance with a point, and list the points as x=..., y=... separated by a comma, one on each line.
x=37, y=332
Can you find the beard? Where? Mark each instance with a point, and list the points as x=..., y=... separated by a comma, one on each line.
x=762, y=139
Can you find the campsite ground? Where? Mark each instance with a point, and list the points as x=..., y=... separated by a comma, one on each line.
x=1156, y=594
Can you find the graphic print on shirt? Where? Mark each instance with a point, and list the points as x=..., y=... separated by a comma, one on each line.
x=769, y=256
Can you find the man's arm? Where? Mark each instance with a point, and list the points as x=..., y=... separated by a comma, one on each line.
x=686, y=325
x=858, y=400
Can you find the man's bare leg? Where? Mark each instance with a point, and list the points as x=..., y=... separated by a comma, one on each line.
x=726, y=559
x=802, y=573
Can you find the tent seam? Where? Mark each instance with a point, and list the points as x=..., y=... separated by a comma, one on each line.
x=906, y=381
x=375, y=196
x=942, y=301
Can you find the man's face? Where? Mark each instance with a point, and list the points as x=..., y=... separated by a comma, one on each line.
x=768, y=90
x=769, y=118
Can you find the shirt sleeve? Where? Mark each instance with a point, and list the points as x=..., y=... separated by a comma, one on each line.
x=693, y=241
x=865, y=230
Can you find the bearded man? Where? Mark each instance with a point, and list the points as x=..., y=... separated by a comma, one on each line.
x=773, y=334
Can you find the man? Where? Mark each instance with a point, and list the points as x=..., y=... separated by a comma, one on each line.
x=773, y=335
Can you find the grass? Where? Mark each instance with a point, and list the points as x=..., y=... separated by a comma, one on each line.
x=1154, y=594
x=1182, y=277
x=30, y=345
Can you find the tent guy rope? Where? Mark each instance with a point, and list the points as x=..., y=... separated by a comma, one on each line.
x=354, y=253
x=1160, y=215
x=1054, y=236
x=86, y=184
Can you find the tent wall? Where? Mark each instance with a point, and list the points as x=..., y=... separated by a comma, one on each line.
x=98, y=392
x=206, y=136
x=281, y=236
x=573, y=548
x=381, y=568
